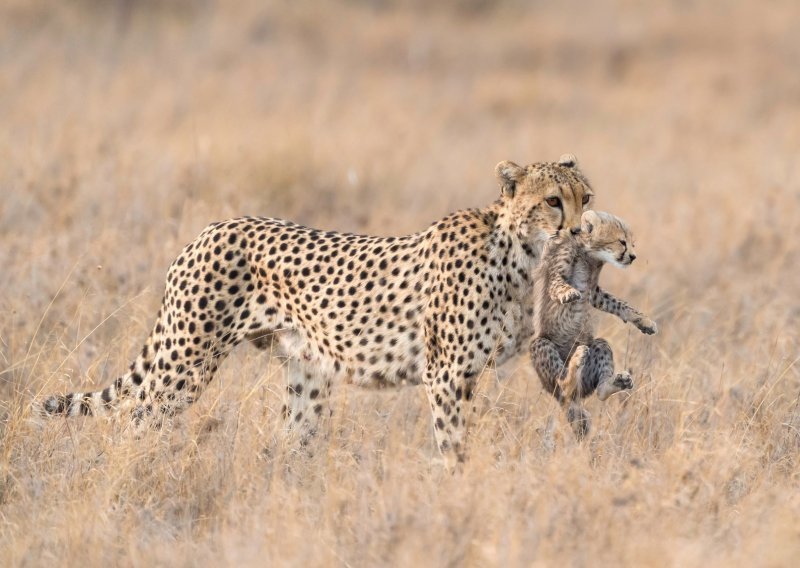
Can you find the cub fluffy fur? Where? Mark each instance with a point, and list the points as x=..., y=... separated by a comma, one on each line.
x=565, y=291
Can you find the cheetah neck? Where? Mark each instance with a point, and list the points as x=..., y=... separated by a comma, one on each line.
x=513, y=256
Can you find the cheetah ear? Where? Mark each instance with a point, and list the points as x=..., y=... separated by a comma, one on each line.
x=588, y=221
x=509, y=174
x=568, y=161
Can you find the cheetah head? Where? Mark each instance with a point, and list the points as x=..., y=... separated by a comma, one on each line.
x=608, y=238
x=542, y=198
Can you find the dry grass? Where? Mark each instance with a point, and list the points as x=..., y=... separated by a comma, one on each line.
x=129, y=126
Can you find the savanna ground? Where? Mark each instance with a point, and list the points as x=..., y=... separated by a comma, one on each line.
x=128, y=126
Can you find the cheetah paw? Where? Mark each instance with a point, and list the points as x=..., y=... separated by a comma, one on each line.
x=580, y=358
x=569, y=295
x=647, y=326
x=623, y=381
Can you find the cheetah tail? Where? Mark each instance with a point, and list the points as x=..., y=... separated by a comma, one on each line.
x=108, y=399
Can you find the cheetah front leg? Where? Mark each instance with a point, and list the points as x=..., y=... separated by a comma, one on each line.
x=560, y=267
x=450, y=395
x=610, y=304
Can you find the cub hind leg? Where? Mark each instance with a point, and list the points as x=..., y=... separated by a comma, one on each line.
x=572, y=384
x=564, y=382
x=549, y=365
x=599, y=373
x=573, y=387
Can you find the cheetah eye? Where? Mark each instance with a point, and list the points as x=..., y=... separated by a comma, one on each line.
x=553, y=201
x=586, y=199
x=623, y=243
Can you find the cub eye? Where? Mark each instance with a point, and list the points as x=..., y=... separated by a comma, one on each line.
x=586, y=199
x=623, y=243
x=553, y=201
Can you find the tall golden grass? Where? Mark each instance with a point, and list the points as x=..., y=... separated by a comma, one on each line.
x=128, y=126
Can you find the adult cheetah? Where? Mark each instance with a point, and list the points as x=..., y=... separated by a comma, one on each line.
x=433, y=307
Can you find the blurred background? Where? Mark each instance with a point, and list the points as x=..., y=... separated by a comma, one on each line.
x=129, y=125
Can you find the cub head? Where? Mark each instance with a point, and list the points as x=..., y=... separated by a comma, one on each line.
x=542, y=198
x=608, y=238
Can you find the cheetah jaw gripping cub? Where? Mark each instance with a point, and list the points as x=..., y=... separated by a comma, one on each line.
x=433, y=307
x=566, y=288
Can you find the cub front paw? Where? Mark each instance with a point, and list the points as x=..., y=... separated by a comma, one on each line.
x=646, y=325
x=569, y=295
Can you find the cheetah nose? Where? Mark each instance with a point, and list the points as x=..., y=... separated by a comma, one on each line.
x=633, y=257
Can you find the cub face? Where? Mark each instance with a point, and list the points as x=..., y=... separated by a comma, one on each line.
x=545, y=197
x=608, y=238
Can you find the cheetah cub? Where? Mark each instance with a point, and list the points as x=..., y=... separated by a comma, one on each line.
x=566, y=288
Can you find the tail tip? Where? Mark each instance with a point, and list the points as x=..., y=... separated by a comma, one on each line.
x=55, y=404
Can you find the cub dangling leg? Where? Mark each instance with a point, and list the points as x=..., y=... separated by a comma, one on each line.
x=599, y=372
x=565, y=383
x=572, y=384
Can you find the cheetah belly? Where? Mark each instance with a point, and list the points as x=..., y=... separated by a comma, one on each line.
x=397, y=361
x=572, y=324
x=581, y=278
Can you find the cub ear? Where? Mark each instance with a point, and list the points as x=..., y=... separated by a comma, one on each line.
x=568, y=161
x=589, y=220
x=509, y=174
